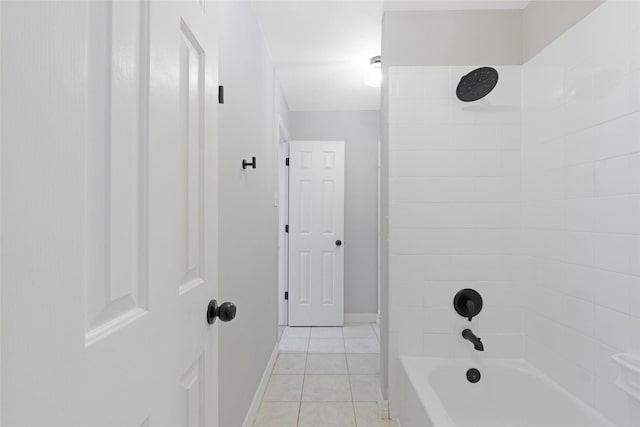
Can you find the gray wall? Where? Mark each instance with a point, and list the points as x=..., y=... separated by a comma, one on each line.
x=545, y=21
x=248, y=218
x=463, y=37
x=359, y=131
x=452, y=37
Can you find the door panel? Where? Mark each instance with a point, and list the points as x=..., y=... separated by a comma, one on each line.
x=191, y=106
x=109, y=192
x=304, y=281
x=194, y=383
x=316, y=222
x=328, y=277
x=116, y=174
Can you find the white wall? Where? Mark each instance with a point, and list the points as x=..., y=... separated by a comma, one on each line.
x=359, y=130
x=582, y=205
x=248, y=218
x=454, y=214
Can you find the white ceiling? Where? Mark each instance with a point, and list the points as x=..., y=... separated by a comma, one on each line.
x=321, y=48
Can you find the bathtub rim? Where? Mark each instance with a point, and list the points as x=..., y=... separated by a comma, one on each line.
x=437, y=413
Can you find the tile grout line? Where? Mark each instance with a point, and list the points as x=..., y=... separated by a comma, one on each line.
x=353, y=405
x=304, y=375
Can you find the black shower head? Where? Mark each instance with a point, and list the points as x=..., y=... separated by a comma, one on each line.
x=477, y=84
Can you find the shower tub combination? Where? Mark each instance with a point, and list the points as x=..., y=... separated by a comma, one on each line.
x=510, y=393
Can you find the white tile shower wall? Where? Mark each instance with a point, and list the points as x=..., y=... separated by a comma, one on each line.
x=581, y=186
x=455, y=214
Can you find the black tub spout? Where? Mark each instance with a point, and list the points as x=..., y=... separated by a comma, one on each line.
x=470, y=336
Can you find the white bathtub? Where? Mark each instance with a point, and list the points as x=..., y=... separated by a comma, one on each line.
x=510, y=393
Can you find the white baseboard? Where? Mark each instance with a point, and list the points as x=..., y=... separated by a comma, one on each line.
x=383, y=408
x=360, y=317
x=252, y=413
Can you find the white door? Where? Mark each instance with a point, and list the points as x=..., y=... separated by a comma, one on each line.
x=316, y=233
x=109, y=213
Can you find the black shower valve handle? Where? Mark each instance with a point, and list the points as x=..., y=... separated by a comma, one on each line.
x=467, y=303
x=471, y=308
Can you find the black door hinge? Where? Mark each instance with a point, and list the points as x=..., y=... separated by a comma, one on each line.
x=220, y=94
x=286, y=228
x=286, y=295
x=286, y=162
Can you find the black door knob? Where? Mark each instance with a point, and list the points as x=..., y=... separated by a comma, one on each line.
x=338, y=242
x=225, y=311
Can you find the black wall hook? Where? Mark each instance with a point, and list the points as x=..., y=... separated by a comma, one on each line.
x=246, y=163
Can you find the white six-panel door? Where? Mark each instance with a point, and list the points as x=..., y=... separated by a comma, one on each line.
x=316, y=233
x=109, y=213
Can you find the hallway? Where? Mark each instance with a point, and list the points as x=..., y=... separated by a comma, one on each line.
x=325, y=377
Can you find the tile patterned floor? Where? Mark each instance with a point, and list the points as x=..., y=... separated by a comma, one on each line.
x=325, y=377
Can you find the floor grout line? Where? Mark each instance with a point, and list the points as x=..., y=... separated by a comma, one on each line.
x=353, y=406
x=306, y=359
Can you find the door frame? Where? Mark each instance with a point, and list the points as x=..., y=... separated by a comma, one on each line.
x=282, y=150
x=1, y=260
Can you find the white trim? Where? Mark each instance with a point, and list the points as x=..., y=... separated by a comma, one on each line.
x=252, y=413
x=283, y=219
x=1, y=246
x=360, y=317
x=383, y=407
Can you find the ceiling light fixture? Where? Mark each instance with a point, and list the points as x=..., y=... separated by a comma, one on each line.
x=374, y=72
